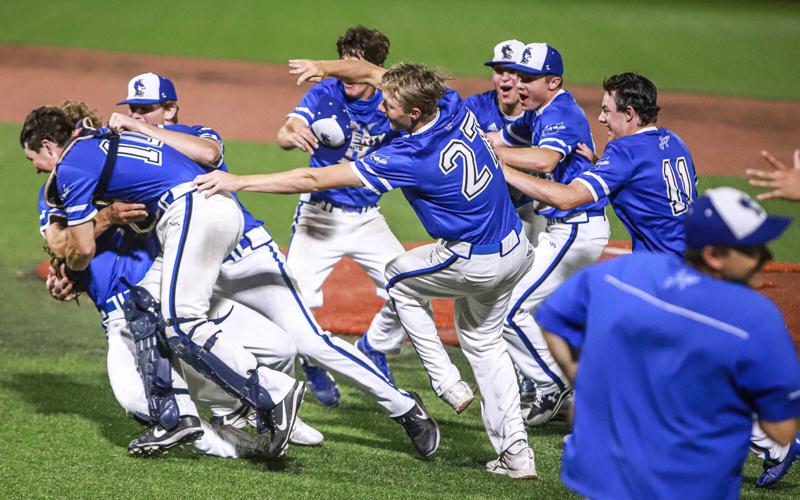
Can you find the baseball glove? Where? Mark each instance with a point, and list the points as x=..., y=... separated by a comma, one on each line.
x=79, y=279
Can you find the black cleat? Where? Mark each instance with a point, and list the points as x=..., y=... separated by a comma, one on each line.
x=156, y=440
x=280, y=420
x=421, y=428
x=546, y=407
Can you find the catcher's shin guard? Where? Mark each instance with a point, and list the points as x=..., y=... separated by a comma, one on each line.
x=152, y=356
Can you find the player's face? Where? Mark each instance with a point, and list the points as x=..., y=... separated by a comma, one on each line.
x=357, y=90
x=617, y=122
x=534, y=91
x=740, y=264
x=45, y=159
x=398, y=119
x=505, y=84
x=152, y=114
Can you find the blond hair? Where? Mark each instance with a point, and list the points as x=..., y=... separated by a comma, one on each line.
x=414, y=86
x=76, y=111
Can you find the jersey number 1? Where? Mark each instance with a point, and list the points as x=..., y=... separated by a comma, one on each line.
x=474, y=181
x=679, y=184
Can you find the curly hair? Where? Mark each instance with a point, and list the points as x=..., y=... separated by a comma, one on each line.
x=45, y=123
x=414, y=86
x=364, y=43
x=76, y=111
x=636, y=91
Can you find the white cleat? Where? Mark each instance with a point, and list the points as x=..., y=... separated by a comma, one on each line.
x=459, y=396
x=305, y=435
x=520, y=465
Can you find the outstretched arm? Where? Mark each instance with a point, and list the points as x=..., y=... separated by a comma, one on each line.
x=560, y=196
x=530, y=159
x=299, y=180
x=785, y=182
x=349, y=70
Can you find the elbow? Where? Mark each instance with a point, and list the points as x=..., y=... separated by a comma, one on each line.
x=209, y=157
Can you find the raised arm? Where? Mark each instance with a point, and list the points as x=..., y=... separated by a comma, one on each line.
x=299, y=180
x=349, y=70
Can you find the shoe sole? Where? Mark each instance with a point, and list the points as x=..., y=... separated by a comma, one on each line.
x=157, y=449
x=552, y=416
x=297, y=400
x=513, y=474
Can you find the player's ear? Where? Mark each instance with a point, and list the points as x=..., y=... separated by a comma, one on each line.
x=712, y=257
x=631, y=115
x=415, y=113
x=170, y=112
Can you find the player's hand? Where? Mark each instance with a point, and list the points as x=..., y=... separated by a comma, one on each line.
x=785, y=182
x=306, y=70
x=303, y=138
x=586, y=152
x=59, y=288
x=120, y=213
x=119, y=123
x=495, y=140
x=217, y=182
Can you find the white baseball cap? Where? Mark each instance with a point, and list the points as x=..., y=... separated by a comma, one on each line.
x=539, y=59
x=725, y=216
x=150, y=88
x=505, y=53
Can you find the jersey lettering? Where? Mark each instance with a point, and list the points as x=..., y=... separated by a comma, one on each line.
x=149, y=151
x=679, y=184
x=474, y=181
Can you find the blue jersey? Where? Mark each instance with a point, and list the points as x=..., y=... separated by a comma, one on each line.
x=449, y=175
x=120, y=253
x=672, y=368
x=560, y=125
x=250, y=221
x=370, y=130
x=488, y=113
x=650, y=179
x=145, y=170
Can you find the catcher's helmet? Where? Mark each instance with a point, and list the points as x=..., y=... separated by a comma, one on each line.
x=331, y=126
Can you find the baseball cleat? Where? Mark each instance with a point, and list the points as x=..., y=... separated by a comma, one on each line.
x=421, y=428
x=281, y=420
x=247, y=445
x=774, y=472
x=527, y=391
x=520, y=465
x=305, y=435
x=459, y=396
x=322, y=385
x=157, y=440
x=377, y=357
x=545, y=407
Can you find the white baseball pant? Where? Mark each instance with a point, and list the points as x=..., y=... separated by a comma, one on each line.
x=765, y=448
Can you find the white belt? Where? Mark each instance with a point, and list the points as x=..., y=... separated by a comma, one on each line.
x=251, y=241
x=175, y=193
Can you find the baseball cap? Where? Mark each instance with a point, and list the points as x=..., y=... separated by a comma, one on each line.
x=150, y=88
x=331, y=126
x=539, y=59
x=505, y=53
x=725, y=216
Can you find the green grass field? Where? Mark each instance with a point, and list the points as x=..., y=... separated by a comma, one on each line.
x=733, y=47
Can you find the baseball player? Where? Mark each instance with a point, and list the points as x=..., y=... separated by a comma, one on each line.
x=254, y=274
x=646, y=172
x=345, y=222
x=668, y=366
x=452, y=180
x=107, y=166
x=543, y=143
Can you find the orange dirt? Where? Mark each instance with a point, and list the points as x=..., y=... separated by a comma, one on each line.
x=249, y=100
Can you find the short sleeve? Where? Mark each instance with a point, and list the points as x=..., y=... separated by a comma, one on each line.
x=565, y=312
x=609, y=174
x=308, y=104
x=520, y=132
x=388, y=168
x=76, y=190
x=559, y=133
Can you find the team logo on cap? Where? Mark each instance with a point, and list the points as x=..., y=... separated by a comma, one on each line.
x=507, y=52
x=138, y=88
x=526, y=56
x=748, y=203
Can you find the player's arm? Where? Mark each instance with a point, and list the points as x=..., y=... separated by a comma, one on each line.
x=542, y=160
x=560, y=196
x=781, y=432
x=563, y=353
x=80, y=246
x=201, y=150
x=295, y=133
x=349, y=70
x=299, y=180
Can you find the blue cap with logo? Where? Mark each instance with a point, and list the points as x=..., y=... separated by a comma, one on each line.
x=150, y=88
x=725, y=216
x=538, y=59
x=331, y=126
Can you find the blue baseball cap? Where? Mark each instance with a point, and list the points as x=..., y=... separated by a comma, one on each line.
x=331, y=126
x=725, y=216
x=150, y=88
x=505, y=53
x=539, y=59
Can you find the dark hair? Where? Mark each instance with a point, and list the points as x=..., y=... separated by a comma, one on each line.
x=365, y=43
x=636, y=91
x=46, y=122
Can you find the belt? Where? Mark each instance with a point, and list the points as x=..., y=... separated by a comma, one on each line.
x=503, y=247
x=113, y=303
x=578, y=217
x=329, y=206
x=251, y=240
x=176, y=193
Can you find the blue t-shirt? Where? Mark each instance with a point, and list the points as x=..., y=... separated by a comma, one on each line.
x=650, y=179
x=448, y=173
x=560, y=125
x=671, y=370
x=370, y=130
x=120, y=253
x=488, y=113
